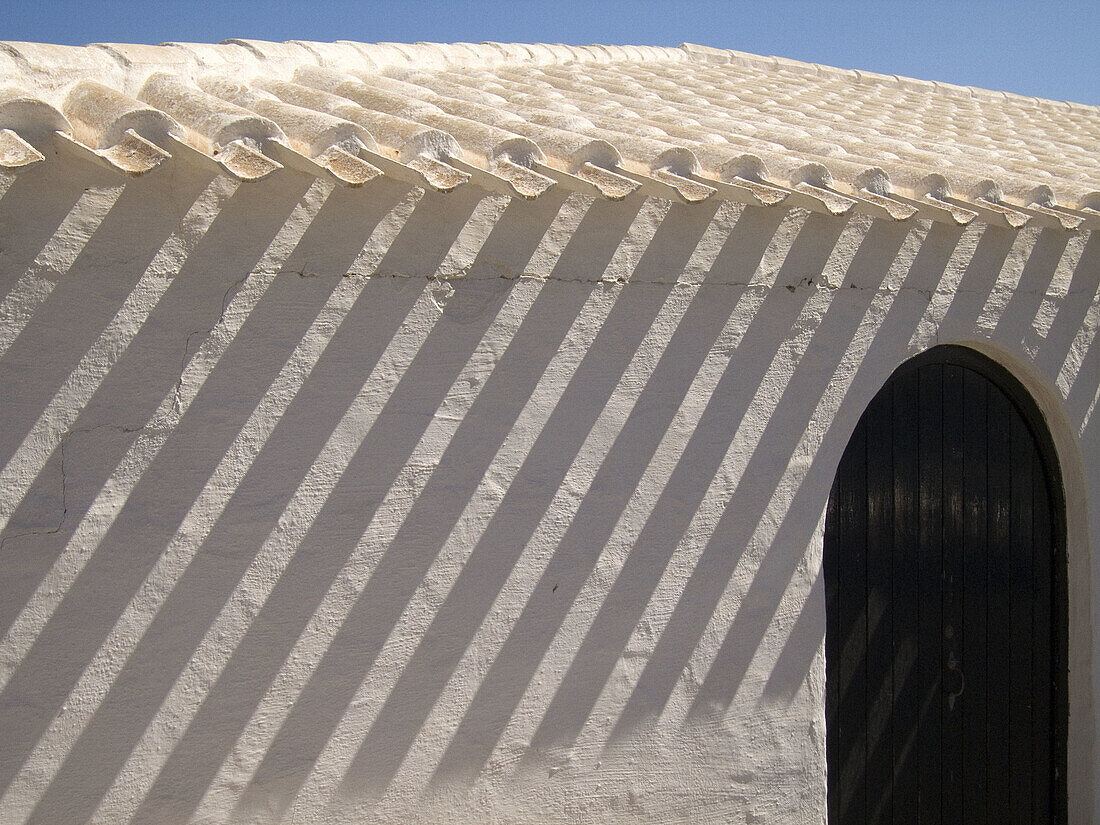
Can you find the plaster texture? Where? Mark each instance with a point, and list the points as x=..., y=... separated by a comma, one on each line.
x=377, y=504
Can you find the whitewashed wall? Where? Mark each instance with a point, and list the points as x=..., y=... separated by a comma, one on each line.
x=331, y=504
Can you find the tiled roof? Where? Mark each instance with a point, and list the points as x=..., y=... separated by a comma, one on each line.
x=690, y=123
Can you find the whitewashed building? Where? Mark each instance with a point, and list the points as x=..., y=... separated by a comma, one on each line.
x=424, y=434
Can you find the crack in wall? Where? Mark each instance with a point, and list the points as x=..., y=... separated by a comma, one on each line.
x=62, y=443
x=227, y=297
x=48, y=531
x=700, y=281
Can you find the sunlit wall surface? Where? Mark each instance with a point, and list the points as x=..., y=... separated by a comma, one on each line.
x=325, y=504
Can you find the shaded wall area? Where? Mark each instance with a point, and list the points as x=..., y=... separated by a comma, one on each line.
x=322, y=504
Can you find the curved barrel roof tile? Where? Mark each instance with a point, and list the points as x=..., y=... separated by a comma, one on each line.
x=690, y=123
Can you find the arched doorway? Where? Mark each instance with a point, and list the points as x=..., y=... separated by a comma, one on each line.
x=945, y=580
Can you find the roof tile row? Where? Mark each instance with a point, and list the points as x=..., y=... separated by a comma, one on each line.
x=691, y=123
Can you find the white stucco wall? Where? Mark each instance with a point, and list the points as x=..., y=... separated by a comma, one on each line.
x=333, y=504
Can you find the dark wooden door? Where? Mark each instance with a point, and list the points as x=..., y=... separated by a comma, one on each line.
x=944, y=578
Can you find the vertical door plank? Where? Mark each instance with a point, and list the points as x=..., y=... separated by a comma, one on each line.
x=880, y=540
x=998, y=616
x=975, y=510
x=852, y=679
x=1042, y=688
x=930, y=560
x=1020, y=627
x=952, y=665
x=905, y=614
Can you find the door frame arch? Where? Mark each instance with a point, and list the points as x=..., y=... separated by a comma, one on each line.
x=1042, y=412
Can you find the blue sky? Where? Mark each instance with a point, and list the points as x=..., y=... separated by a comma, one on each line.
x=1049, y=49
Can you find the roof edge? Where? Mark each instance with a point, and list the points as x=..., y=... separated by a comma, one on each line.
x=711, y=54
x=46, y=66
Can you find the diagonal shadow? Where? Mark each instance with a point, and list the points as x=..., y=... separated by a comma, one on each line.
x=274, y=328
x=334, y=534
x=726, y=410
x=1020, y=310
x=491, y=561
x=143, y=375
x=619, y=475
x=667, y=663
x=1090, y=431
x=888, y=346
x=785, y=427
x=1014, y=324
x=354, y=649
x=1072, y=310
x=131, y=546
x=755, y=613
x=508, y=677
x=663, y=531
x=792, y=666
x=976, y=284
x=1082, y=394
x=84, y=301
x=28, y=219
x=431, y=231
x=508, y=250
